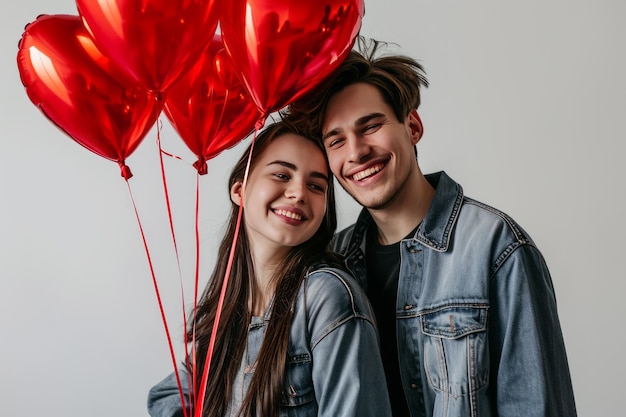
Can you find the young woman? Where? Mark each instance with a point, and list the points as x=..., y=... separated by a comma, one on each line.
x=296, y=335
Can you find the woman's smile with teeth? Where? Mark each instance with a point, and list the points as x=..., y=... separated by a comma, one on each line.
x=367, y=172
x=289, y=214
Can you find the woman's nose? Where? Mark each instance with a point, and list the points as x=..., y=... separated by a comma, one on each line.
x=296, y=190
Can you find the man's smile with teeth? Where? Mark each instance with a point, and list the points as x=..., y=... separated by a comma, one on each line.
x=289, y=214
x=367, y=172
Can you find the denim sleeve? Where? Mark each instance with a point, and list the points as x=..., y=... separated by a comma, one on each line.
x=348, y=375
x=164, y=398
x=530, y=374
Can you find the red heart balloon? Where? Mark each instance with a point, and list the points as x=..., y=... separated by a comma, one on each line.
x=284, y=48
x=73, y=84
x=209, y=108
x=155, y=41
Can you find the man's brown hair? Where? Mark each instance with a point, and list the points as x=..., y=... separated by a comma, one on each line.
x=398, y=78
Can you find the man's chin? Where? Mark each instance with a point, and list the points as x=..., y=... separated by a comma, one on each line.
x=373, y=203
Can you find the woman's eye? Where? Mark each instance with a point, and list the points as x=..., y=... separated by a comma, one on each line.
x=281, y=176
x=317, y=187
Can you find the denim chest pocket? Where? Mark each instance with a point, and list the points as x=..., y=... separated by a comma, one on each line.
x=299, y=394
x=455, y=349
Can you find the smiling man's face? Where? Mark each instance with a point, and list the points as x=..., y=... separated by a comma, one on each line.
x=370, y=152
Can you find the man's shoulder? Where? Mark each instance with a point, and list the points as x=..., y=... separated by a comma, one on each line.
x=482, y=217
x=473, y=216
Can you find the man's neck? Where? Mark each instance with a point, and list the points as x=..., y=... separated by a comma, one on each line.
x=403, y=215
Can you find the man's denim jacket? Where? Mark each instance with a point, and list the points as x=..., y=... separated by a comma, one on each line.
x=334, y=367
x=477, y=326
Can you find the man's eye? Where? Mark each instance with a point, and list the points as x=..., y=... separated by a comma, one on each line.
x=332, y=143
x=371, y=128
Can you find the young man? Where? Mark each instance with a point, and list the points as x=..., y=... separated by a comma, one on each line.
x=464, y=301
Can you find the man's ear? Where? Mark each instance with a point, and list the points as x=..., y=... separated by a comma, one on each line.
x=416, y=126
x=236, y=192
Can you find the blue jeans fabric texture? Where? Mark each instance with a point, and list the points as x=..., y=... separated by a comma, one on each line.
x=477, y=325
x=334, y=367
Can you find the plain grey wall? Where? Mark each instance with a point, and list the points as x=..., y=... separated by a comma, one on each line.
x=525, y=109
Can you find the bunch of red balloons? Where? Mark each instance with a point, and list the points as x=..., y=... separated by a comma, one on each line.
x=105, y=75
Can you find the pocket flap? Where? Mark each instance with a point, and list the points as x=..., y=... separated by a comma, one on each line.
x=298, y=388
x=455, y=321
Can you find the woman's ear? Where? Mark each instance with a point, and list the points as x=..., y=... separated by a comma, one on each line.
x=236, y=193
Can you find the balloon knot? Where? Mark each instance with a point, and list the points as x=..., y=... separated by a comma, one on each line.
x=125, y=170
x=260, y=122
x=201, y=166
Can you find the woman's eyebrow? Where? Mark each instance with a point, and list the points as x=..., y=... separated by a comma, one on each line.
x=284, y=164
x=293, y=167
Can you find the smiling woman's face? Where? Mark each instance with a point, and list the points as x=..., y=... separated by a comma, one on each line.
x=285, y=196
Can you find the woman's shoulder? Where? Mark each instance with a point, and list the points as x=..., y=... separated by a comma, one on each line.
x=331, y=290
x=325, y=276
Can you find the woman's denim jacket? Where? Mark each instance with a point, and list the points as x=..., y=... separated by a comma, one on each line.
x=334, y=367
x=477, y=326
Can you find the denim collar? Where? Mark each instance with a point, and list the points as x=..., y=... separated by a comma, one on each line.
x=435, y=230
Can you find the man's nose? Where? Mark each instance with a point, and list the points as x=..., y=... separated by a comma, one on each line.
x=357, y=149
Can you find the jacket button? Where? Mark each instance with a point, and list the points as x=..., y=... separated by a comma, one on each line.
x=408, y=307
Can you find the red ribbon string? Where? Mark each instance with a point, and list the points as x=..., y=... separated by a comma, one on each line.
x=158, y=296
x=171, y=222
x=191, y=364
x=205, y=374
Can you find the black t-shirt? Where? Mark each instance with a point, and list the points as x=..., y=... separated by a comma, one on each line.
x=383, y=268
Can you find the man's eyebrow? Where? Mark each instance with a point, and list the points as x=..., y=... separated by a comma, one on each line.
x=293, y=167
x=365, y=119
x=359, y=122
x=331, y=133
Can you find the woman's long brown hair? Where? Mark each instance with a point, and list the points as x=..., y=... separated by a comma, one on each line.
x=266, y=387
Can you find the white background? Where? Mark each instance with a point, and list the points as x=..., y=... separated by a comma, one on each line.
x=525, y=109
